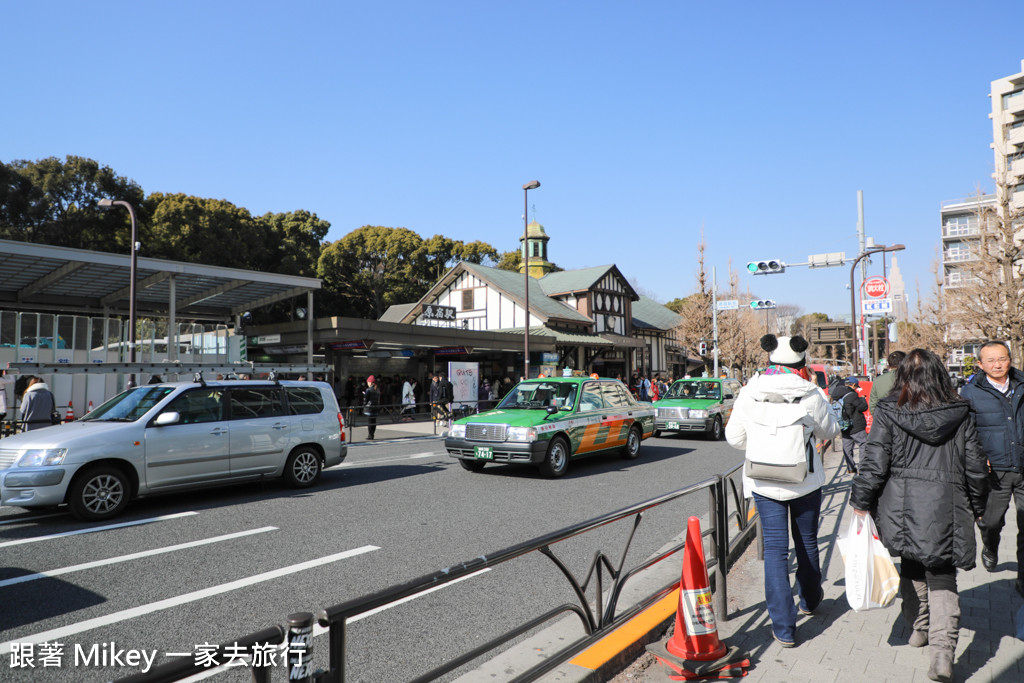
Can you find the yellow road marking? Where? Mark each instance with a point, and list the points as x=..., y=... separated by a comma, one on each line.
x=627, y=634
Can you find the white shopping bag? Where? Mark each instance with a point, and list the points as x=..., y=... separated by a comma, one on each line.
x=871, y=578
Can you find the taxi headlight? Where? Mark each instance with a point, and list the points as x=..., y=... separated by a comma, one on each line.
x=698, y=413
x=42, y=457
x=521, y=434
x=458, y=431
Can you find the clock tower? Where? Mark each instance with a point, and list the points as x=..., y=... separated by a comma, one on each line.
x=534, y=253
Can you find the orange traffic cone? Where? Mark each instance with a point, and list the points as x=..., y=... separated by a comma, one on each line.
x=69, y=416
x=694, y=650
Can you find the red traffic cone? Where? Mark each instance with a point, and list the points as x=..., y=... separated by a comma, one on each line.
x=69, y=416
x=694, y=650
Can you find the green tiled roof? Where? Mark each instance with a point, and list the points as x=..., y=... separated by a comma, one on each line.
x=512, y=283
x=648, y=313
x=572, y=280
x=563, y=337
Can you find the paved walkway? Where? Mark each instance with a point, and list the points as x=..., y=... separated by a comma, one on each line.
x=838, y=644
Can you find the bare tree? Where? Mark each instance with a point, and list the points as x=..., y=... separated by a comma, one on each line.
x=934, y=325
x=695, y=311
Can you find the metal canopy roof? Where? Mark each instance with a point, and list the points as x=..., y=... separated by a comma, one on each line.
x=41, y=277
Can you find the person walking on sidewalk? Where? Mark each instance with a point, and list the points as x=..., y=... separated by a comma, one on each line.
x=781, y=396
x=371, y=404
x=883, y=383
x=923, y=478
x=854, y=406
x=997, y=396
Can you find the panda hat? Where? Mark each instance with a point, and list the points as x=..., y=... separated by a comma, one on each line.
x=788, y=351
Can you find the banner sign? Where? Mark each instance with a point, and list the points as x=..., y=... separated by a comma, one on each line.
x=452, y=350
x=876, y=306
x=433, y=312
x=352, y=344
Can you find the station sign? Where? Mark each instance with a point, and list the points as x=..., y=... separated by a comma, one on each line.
x=876, y=288
x=728, y=305
x=435, y=312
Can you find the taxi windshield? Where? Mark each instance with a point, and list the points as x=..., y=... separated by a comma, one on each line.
x=707, y=390
x=540, y=395
x=129, y=406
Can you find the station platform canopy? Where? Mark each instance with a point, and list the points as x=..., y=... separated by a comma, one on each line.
x=38, y=277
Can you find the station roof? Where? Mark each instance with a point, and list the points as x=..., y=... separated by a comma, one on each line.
x=41, y=277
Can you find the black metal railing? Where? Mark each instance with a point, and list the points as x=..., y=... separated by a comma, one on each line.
x=727, y=508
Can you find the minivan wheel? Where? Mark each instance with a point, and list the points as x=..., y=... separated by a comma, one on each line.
x=302, y=469
x=99, y=493
x=556, y=462
x=632, y=449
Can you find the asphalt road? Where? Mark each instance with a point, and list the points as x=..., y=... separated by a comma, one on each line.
x=180, y=571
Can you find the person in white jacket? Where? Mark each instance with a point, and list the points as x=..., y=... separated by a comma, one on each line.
x=778, y=414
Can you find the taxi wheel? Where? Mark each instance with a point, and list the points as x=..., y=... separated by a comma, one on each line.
x=632, y=449
x=715, y=433
x=556, y=462
x=472, y=465
x=99, y=493
x=302, y=468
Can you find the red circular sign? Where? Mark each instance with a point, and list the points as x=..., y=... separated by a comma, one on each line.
x=876, y=287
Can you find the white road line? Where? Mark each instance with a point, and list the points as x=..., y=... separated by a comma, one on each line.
x=321, y=630
x=32, y=519
x=161, y=518
x=133, y=556
x=396, y=458
x=89, y=624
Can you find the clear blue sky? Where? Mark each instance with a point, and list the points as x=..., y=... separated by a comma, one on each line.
x=643, y=120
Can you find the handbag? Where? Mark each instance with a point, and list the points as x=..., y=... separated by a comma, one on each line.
x=55, y=418
x=871, y=577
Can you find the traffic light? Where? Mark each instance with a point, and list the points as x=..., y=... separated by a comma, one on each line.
x=762, y=304
x=702, y=349
x=769, y=267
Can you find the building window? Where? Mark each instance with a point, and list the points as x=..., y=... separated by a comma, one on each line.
x=535, y=251
x=467, y=300
x=1010, y=97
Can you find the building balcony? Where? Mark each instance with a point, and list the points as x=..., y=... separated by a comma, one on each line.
x=958, y=257
x=952, y=231
x=1015, y=136
x=1013, y=104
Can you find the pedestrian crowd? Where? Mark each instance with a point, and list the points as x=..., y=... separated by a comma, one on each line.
x=934, y=465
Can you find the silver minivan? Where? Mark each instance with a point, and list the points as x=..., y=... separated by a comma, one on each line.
x=168, y=437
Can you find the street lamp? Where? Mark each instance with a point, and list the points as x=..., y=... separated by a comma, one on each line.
x=108, y=204
x=532, y=185
x=855, y=349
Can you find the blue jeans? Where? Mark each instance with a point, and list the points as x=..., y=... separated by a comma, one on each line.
x=775, y=517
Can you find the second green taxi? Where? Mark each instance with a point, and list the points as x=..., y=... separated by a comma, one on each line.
x=548, y=422
x=701, y=404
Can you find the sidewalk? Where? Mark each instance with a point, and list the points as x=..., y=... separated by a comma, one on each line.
x=838, y=644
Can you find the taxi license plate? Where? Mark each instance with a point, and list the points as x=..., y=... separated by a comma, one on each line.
x=483, y=452
x=673, y=425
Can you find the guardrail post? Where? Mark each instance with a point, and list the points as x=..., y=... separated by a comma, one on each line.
x=720, y=547
x=300, y=647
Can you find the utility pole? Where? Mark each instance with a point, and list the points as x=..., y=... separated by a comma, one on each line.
x=714, y=316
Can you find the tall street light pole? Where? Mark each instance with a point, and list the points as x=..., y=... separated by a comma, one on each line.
x=855, y=350
x=108, y=204
x=532, y=185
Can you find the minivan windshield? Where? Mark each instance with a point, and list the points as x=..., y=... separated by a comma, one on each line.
x=129, y=406
x=708, y=390
x=539, y=395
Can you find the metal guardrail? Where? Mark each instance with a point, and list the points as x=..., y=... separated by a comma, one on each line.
x=726, y=507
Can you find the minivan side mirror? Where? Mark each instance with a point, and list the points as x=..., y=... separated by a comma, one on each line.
x=168, y=418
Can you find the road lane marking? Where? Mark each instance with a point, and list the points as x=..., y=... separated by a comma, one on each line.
x=34, y=539
x=32, y=519
x=133, y=556
x=321, y=630
x=395, y=458
x=124, y=615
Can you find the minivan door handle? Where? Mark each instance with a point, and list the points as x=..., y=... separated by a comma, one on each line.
x=218, y=431
x=279, y=425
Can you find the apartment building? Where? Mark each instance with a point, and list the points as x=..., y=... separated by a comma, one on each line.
x=1007, y=116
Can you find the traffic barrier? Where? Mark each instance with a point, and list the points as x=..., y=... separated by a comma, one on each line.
x=694, y=651
x=69, y=416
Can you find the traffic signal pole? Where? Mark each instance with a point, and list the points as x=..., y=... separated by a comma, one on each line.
x=714, y=316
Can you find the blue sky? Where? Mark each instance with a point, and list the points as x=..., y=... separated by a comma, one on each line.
x=643, y=121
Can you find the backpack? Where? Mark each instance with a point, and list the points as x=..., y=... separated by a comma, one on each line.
x=835, y=406
x=777, y=448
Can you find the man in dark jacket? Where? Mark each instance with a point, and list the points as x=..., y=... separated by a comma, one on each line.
x=996, y=396
x=854, y=406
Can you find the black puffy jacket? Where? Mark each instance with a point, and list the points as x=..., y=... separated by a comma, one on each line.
x=923, y=475
x=1000, y=420
x=853, y=408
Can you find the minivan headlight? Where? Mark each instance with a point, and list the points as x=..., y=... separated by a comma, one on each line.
x=42, y=457
x=521, y=434
x=458, y=431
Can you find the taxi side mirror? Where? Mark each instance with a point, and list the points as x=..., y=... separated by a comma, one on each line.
x=551, y=410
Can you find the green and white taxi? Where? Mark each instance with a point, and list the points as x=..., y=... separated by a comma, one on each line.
x=701, y=404
x=547, y=422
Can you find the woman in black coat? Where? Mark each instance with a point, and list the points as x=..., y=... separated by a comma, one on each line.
x=923, y=476
x=371, y=404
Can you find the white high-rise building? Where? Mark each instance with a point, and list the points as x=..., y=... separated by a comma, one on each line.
x=1007, y=116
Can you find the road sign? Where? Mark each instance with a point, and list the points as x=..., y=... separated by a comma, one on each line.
x=876, y=306
x=876, y=288
x=729, y=305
